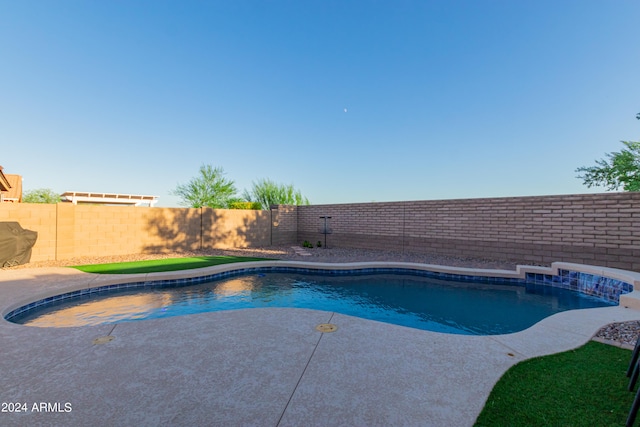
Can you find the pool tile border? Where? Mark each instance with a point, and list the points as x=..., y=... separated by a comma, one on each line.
x=602, y=287
x=609, y=284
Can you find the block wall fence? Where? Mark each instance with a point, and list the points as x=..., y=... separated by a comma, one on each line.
x=67, y=231
x=597, y=229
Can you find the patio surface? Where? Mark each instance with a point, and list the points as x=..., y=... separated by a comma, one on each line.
x=256, y=367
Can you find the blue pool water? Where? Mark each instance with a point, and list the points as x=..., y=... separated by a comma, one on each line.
x=419, y=302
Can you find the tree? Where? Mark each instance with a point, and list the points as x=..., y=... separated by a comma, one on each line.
x=244, y=205
x=41, y=195
x=209, y=189
x=267, y=193
x=620, y=169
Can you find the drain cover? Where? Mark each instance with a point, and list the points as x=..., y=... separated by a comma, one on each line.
x=104, y=340
x=326, y=327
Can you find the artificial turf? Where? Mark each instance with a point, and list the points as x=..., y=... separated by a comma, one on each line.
x=582, y=387
x=159, y=265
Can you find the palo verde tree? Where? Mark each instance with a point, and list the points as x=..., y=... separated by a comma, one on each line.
x=41, y=195
x=619, y=169
x=267, y=193
x=210, y=188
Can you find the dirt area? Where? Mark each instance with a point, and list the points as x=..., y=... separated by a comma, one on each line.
x=340, y=255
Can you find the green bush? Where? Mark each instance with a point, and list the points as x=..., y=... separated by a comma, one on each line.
x=245, y=205
x=41, y=195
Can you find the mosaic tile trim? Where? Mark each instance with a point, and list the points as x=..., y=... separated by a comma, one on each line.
x=597, y=286
x=590, y=284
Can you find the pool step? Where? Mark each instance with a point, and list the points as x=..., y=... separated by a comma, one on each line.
x=300, y=251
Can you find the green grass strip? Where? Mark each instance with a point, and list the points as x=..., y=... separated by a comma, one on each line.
x=582, y=387
x=159, y=265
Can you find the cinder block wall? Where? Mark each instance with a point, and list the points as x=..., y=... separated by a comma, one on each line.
x=284, y=224
x=224, y=228
x=67, y=231
x=39, y=217
x=600, y=229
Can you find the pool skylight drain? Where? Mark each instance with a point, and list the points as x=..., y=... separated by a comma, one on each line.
x=326, y=327
x=104, y=340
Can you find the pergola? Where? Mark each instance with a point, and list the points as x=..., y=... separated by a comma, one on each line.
x=77, y=197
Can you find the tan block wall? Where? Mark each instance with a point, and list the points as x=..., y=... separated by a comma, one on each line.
x=67, y=231
x=65, y=244
x=224, y=228
x=36, y=217
x=284, y=225
x=601, y=229
x=169, y=229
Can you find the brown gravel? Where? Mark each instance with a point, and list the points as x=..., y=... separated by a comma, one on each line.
x=625, y=333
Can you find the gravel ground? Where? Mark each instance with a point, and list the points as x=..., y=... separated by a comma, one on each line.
x=624, y=334
x=288, y=253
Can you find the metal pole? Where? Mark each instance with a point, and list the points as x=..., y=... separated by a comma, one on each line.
x=325, y=230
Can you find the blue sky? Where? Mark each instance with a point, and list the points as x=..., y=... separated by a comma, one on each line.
x=349, y=101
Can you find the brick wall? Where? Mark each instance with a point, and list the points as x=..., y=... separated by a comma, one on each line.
x=601, y=229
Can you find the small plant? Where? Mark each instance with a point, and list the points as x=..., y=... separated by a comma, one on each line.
x=319, y=244
x=307, y=244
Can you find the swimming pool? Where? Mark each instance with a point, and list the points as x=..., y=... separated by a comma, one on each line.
x=450, y=305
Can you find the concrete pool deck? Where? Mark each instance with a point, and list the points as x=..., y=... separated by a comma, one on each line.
x=257, y=367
